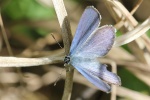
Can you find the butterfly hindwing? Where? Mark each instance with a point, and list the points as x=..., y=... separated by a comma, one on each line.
x=95, y=68
x=98, y=43
x=102, y=72
x=108, y=76
x=90, y=76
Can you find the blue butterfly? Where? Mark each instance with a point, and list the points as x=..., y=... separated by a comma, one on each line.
x=89, y=43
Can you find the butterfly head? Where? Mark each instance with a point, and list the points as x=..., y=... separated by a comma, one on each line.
x=67, y=60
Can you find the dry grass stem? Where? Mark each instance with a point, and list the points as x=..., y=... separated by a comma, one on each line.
x=67, y=38
x=5, y=36
x=133, y=95
x=134, y=34
x=27, y=62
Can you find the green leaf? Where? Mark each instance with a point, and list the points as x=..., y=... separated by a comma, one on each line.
x=130, y=81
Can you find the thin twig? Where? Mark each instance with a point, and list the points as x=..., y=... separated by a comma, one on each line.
x=5, y=36
x=9, y=47
x=121, y=12
x=26, y=62
x=67, y=37
x=133, y=95
x=137, y=32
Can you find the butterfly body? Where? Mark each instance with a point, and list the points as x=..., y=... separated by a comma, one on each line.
x=89, y=43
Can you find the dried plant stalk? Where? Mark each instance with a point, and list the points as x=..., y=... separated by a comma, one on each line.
x=67, y=37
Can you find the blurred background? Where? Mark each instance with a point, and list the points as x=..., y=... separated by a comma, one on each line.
x=29, y=25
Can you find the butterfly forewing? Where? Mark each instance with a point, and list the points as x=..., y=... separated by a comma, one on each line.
x=89, y=21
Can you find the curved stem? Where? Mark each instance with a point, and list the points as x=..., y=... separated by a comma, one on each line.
x=27, y=62
x=68, y=83
x=67, y=37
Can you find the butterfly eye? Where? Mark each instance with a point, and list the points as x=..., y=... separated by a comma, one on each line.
x=67, y=59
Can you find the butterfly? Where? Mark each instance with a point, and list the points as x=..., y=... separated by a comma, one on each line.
x=89, y=43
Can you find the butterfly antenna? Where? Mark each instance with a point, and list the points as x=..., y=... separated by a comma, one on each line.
x=58, y=77
x=56, y=40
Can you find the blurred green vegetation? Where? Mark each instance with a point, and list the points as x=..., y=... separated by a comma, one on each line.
x=130, y=81
x=27, y=9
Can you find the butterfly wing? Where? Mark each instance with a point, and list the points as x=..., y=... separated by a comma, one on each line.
x=95, y=68
x=90, y=76
x=89, y=21
x=102, y=72
x=108, y=76
x=97, y=44
x=90, y=42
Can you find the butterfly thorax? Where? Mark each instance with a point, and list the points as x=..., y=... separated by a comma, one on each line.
x=82, y=59
x=68, y=59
